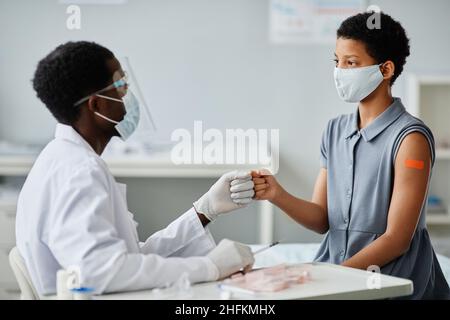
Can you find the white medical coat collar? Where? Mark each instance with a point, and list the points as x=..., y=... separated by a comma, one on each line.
x=68, y=133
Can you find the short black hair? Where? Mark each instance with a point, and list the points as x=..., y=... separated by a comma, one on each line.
x=389, y=42
x=70, y=72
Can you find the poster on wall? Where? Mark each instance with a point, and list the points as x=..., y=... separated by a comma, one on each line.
x=309, y=21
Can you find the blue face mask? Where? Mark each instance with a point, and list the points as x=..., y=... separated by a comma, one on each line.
x=130, y=121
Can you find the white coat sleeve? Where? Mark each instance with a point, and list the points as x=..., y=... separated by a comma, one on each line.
x=83, y=235
x=184, y=237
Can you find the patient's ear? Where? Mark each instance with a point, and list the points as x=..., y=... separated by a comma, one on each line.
x=388, y=70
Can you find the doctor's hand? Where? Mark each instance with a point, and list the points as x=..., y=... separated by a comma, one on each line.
x=266, y=186
x=232, y=191
x=229, y=257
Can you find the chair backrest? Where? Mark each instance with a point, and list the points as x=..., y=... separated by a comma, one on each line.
x=28, y=291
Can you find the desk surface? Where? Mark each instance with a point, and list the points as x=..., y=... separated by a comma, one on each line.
x=328, y=282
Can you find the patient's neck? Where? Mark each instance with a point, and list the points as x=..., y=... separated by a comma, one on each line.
x=374, y=105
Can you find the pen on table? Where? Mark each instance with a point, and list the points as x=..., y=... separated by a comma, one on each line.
x=266, y=247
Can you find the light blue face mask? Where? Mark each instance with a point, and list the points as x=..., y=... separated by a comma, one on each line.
x=130, y=121
x=355, y=84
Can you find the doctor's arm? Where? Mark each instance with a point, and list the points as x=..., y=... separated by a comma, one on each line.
x=204, y=220
x=187, y=235
x=412, y=169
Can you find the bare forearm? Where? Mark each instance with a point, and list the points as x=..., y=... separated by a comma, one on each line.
x=379, y=253
x=309, y=214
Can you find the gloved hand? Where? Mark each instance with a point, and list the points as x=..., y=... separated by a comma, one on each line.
x=232, y=191
x=230, y=257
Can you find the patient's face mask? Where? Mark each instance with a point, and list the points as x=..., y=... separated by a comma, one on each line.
x=355, y=84
x=130, y=121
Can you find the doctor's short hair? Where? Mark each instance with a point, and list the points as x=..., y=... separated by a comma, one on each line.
x=388, y=42
x=70, y=72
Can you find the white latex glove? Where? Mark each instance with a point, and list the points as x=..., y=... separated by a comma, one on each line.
x=232, y=191
x=229, y=257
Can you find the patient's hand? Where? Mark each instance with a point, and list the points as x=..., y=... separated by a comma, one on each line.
x=266, y=186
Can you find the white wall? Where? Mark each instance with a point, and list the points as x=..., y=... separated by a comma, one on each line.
x=205, y=60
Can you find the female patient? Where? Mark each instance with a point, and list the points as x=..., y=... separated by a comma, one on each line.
x=375, y=167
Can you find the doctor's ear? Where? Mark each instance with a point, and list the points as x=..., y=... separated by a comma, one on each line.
x=93, y=103
x=388, y=70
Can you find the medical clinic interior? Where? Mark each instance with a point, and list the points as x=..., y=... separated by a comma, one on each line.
x=224, y=149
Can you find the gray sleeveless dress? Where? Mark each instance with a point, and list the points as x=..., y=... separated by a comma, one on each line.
x=360, y=173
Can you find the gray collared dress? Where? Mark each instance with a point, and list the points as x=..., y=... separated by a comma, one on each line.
x=360, y=178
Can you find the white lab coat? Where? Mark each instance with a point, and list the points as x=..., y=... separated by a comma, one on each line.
x=71, y=212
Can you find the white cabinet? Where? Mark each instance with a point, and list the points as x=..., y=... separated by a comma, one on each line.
x=8, y=285
x=429, y=100
x=7, y=224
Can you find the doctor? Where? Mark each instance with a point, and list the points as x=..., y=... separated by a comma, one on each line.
x=71, y=212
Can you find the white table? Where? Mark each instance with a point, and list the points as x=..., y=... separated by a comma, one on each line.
x=329, y=281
